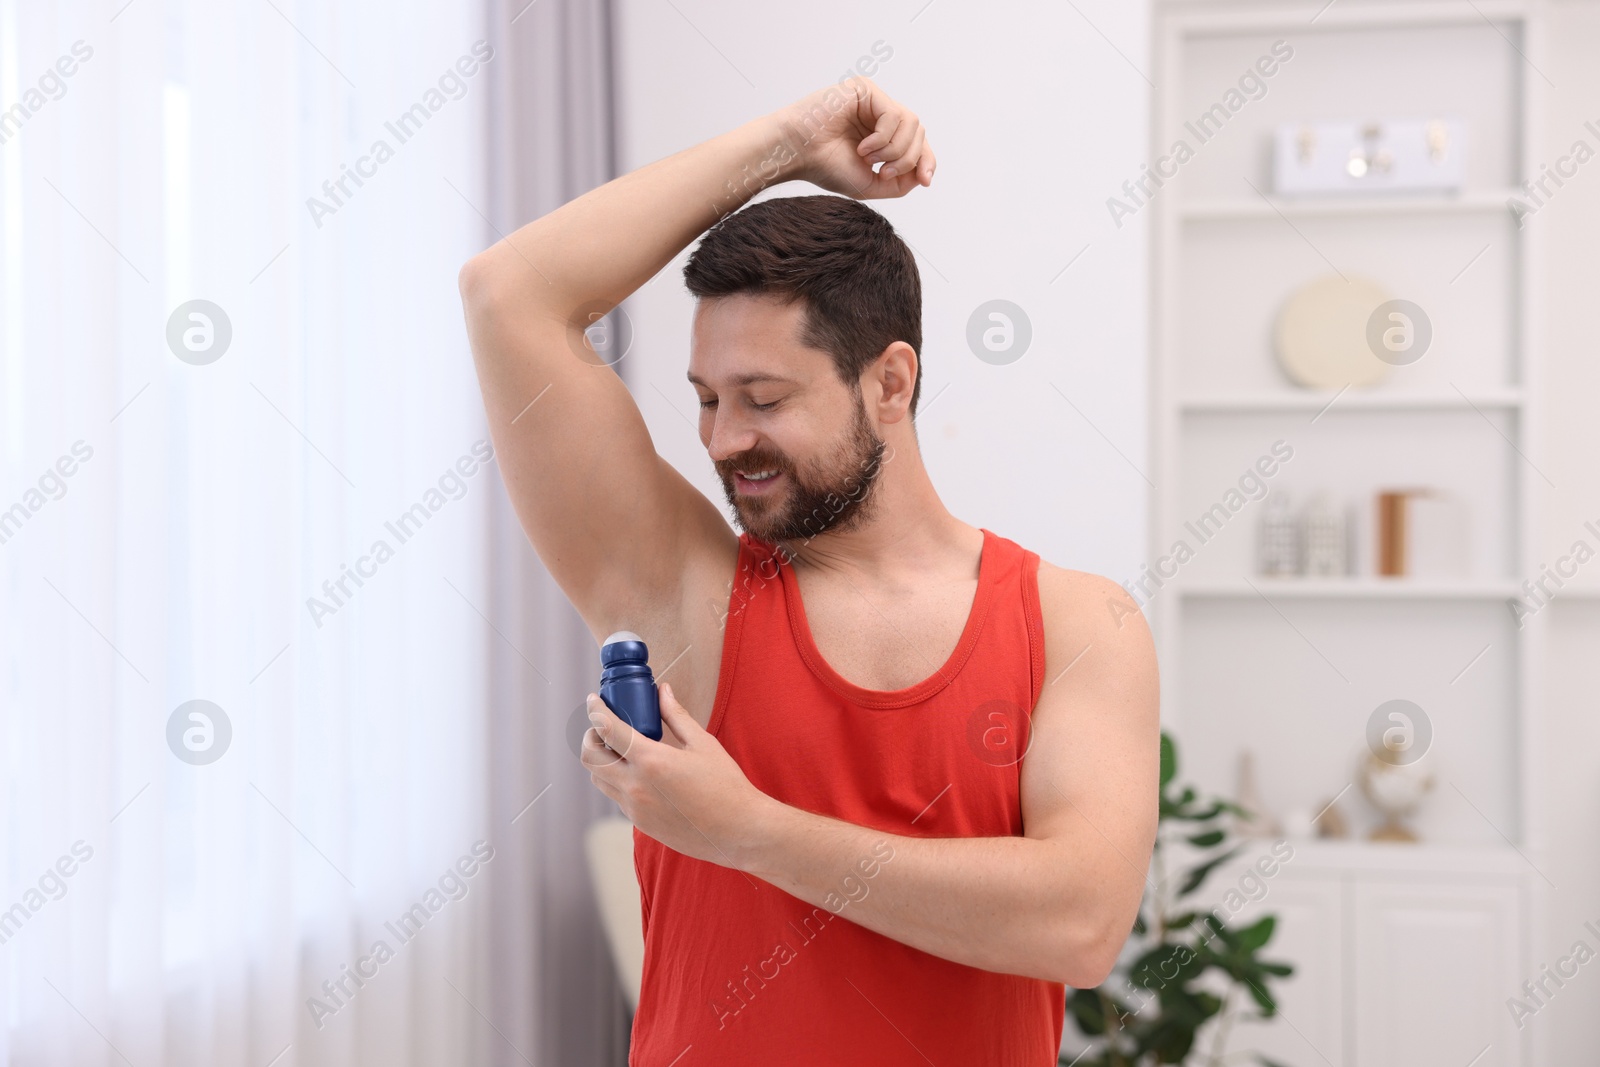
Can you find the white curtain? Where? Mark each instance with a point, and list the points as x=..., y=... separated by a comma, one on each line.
x=168, y=512
x=556, y=995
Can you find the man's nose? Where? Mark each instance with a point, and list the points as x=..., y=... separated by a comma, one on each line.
x=730, y=435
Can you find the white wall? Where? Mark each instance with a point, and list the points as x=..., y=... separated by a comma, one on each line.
x=1036, y=120
x=1567, y=753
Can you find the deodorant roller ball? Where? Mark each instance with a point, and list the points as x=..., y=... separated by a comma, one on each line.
x=626, y=684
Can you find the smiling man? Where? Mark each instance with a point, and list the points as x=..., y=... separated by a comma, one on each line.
x=906, y=790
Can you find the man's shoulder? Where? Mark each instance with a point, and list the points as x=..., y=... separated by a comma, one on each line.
x=1080, y=609
x=1073, y=590
x=1077, y=603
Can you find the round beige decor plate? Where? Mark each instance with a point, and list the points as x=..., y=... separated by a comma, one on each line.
x=1321, y=334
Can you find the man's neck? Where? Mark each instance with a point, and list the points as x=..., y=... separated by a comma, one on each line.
x=904, y=529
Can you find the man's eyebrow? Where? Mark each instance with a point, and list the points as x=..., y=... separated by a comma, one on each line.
x=751, y=378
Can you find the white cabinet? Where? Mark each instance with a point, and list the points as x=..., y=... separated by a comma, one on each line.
x=1404, y=955
x=1432, y=967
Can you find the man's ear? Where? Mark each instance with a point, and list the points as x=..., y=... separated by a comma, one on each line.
x=894, y=373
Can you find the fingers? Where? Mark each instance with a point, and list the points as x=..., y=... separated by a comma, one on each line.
x=593, y=753
x=883, y=131
x=676, y=721
x=899, y=178
x=883, y=134
x=606, y=787
x=670, y=704
x=899, y=141
x=900, y=154
x=903, y=172
x=614, y=731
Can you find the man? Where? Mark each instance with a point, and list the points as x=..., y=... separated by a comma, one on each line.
x=888, y=717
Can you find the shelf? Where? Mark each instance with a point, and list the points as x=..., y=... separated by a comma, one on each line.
x=1252, y=207
x=1198, y=19
x=1351, y=589
x=1353, y=400
x=1344, y=856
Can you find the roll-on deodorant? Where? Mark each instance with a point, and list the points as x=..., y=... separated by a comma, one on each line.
x=626, y=684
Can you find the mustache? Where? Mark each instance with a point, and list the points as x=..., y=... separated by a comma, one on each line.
x=753, y=460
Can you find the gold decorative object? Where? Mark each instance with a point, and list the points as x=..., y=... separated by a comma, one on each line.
x=1396, y=789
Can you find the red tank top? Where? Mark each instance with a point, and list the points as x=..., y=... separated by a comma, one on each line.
x=738, y=972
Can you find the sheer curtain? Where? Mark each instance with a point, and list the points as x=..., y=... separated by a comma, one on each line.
x=275, y=502
x=554, y=990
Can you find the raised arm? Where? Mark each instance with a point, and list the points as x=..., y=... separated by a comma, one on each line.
x=616, y=525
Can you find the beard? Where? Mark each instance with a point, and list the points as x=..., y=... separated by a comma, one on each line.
x=831, y=494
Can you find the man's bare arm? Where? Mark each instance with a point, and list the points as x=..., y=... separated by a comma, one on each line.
x=615, y=524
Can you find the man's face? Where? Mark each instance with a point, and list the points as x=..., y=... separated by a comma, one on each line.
x=770, y=404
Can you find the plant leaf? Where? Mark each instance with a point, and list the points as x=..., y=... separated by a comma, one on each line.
x=1257, y=933
x=1208, y=839
x=1160, y=966
x=1087, y=1012
x=1171, y=1040
x=1178, y=806
x=1269, y=1007
x=1190, y=1007
x=1103, y=1060
x=1219, y=807
x=1169, y=759
x=1199, y=874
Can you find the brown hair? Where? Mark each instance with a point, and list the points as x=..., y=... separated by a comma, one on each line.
x=857, y=278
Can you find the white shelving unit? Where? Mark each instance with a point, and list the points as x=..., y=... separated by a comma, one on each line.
x=1321, y=403
x=1292, y=668
x=1492, y=202
x=1352, y=589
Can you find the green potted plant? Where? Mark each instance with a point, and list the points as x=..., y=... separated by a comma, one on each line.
x=1183, y=967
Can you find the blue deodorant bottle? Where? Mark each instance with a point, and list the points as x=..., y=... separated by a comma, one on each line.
x=626, y=684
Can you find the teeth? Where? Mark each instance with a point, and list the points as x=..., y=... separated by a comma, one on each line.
x=760, y=476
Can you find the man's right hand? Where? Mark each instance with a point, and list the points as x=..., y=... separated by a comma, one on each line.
x=841, y=131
